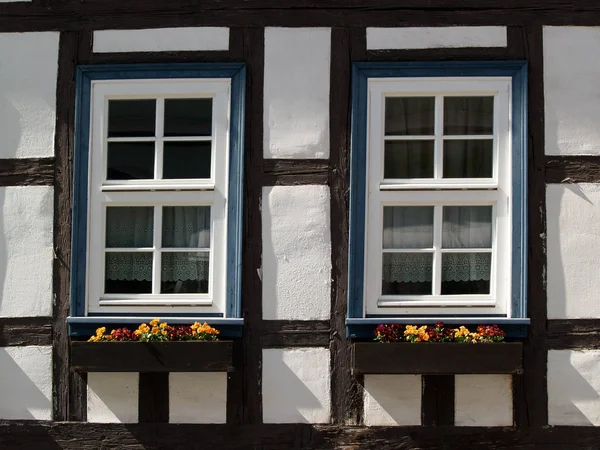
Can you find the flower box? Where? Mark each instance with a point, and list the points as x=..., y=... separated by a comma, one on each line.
x=436, y=358
x=185, y=356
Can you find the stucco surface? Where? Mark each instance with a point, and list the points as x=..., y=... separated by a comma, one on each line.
x=26, y=383
x=113, y=397
x=571, y=90
x=296, y=92
x=26, y=251
x=28, y=94
x=483, y=400
x=435, y=37
x=296, y=253
x=574, y=387
x=573, y=249
x=296, y=385
x=392, y=400
x=161, y=40
x=198, y=397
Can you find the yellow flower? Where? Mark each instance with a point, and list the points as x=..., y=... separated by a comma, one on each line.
x=154, y=322
x=137, y=332
x=164, y=333
x=100, y=331
x=155, y=330
x=163, y=325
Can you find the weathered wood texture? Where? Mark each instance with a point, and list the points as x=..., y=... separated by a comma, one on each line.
x=296, y=333
x=161, y=57
x=573, y=169
x=437, y=401
x=153, y=398
x=436, y=358
x=118, y=14
x=25, y=331
x=290, y=172
x=89, y=436
x=187, y=356
x=347, y=45
x=27, y=172
x=576, y=334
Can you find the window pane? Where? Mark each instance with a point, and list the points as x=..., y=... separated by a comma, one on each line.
x=188, y=117
x=129, y=226
x=468, y=115
x=130, y=161
x=409, y=116
x=468, y=159
x=466, y=273
x=407, y=273
x=128, y=273
x=184, y=272
x=131, y=118
x=186, y=227
x=408, y=159
x=467, y=227
x=187, y=160
x=408, y=226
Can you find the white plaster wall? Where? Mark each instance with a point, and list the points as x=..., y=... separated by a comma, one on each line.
x=296, y=92
x=161, y=40
x=296, y=253
x=571, y=90
x=26, y=251
x=26, y=383
x=483, y=400
x=112, y=397
x=573, y=249
x=435, y=37
x=574, y=387
x=296, y=385
x=28, y=67
x=197, y=397
x=391, y=400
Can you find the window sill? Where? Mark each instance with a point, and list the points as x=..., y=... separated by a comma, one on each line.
x=363, y=328
x=188, y=356
x=436, y=358
x=86, y=326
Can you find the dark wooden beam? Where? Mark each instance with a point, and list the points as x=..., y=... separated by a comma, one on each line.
x=23, y=331
x=437, y=401
x=31, y=435
x=27, y=172
x=161, y=57
x=440, y=54
x=574, y=334
x=573, y=169
x=290, y=172
x=117, y=14
x=295, y=333
x=153, y=398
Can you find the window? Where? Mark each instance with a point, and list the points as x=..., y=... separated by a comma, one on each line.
x=158, y=172
x=438, y=190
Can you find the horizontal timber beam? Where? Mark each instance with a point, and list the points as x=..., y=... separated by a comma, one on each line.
x=295, y=333
x=577, y=334
x=27, y=172
x=573, y=169
x=23, y=331
x=292, y=172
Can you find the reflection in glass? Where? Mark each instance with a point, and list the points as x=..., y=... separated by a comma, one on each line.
x=128, y=273
x=186, y=160
x=188, y=117
x=408, y=159
x=186, y=227
x=409, y=116
x=131, y=118
x=129, y=226
x=130, y=160
x=466, y=273
x=467, y=227
x=407, y=227
x=468, y=158
x=184, y=272
x=468, y=115
x=407, y=274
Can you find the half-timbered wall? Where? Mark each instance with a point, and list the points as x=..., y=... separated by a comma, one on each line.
x=292, y=386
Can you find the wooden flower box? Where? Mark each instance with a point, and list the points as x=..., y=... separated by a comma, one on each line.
x=436, y=358
x=186, y=356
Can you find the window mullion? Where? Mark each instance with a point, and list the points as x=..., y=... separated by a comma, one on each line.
x=437, y=254
x=438, y=159
x=156, y=263
x=160, y=131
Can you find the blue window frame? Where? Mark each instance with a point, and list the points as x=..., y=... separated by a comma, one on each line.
x=359, y=323
x=229, y=320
